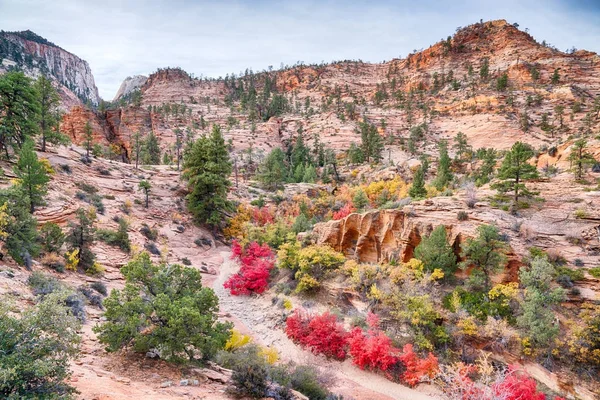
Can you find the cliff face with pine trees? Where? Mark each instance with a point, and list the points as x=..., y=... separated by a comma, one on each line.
x=35, y=56
x=490, y=81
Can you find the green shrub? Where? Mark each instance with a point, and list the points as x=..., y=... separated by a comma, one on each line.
x=149, y=233
x=595, y=272
x=186, y=261
x=250, y=380
x=51, y=237
x=118, y=238
x=163, y=307
x=36, y=350
x=99, y=287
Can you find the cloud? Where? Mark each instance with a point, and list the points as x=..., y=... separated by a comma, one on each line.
x=121, y=39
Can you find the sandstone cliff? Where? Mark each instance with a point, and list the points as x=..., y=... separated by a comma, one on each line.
x=129, y=85
x=36, y=55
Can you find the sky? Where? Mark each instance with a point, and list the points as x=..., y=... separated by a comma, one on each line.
x=212, y=38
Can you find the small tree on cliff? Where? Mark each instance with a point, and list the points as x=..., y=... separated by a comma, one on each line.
x=88, y=139
x=514, y=170
x=151, y=150
x=207, y=168
x=136, y=147
x=145, y=187
x=580, y=158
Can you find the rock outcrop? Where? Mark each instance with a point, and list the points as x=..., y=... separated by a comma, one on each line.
x=380, y=235
x=36, y=56
x=129, y=85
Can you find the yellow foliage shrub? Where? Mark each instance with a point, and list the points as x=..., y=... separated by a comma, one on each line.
x=287, y=304
x=467, y=326
x=95, y=269
x=72, y=259
x=508, y=291
x=237, y=340
x=47, y=166
x=396, y=189
x=270, y=354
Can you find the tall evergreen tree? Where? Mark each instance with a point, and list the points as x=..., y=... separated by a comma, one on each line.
x=444, y=176
x=19, y=110
x=32, y=176
x=49, y=117
x=514, y=170
x=372, y=145
x=486, y=253
x=273, y=171
x=300, y=153
x=88, y=139
x=207, y=169
x=81, y=236
x=19, y=230
x=136, y=147
x=580, y=158
x=151, y=150
x=417, y=190
x=436, y=253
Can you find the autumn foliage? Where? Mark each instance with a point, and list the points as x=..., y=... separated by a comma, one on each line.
x=343, y=212
x=323, y=334
x=518, y=386
x=371, y=349
x=256, y=261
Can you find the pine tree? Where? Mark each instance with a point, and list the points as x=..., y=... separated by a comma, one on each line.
x=19, y=108
x=372, y=145
x=486, y=253
x=207, y=169
x=310, y=174
x=145, y=187
x=273, y=171
x=151, y=150
x=300, y=153
x=580, y=158
x=32, y=176
x=537, y=318
x=484, y=70
x=417, y=190
x=18, y=226
x=436, y=253
x=514, y=170
x=461, y=145
x=178, y=145
x=81, y=238
x=444, y=176
x=137, y=147
x=360, y=200
x=88, y=139
x=555, y=77
x=49, y=113
x=355, y=154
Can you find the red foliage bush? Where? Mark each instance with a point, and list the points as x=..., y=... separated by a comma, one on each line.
x=417, y=368
x=518, y=386
x=262, y=216
x=323, y=334
x=372, y=350
x=344, y=211
x=256, y=264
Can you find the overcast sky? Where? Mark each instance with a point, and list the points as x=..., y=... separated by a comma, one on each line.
x=124, y=38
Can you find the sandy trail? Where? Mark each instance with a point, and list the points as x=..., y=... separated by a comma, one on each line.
x=258, y=317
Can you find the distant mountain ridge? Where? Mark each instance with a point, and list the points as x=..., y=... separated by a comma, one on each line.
x=36, y=55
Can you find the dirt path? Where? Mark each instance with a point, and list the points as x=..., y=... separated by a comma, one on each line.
x=258, y=317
